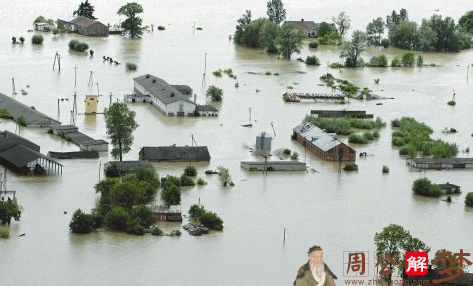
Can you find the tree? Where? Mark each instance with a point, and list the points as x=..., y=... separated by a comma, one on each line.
x=143, y=215
x=132, y=25
x=81, y=222
x=391, y=239
x=22, y=40
x=211, y=220
x=352, y=50
x=408, y=60
x=427, y=38
x=117, y=218
x=375, y=31
x=242, y=23
x=395, y=19
x=405, y=35
x=214, y=93
x=379, y=61
x=469, y=199
x=324, y=29
x=224, y=176
x=424, y=187
x=40, y=19
x=342, y=22
x=37, y=39
x=120, y=123
x=268, y=35
x=127, y=194
x=85, y=10
x=466, y=22
x=290, y=41
x=276, y=12
x=171, y=194
x=190, y=171
x=449, y=259
x=9, y=209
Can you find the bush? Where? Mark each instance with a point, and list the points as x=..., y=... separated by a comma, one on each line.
x=117, y=218
x=350, y=167
x=424, y=187
x=5, y=114
x=376, y=134
x=78, y=46
x=345, y=125
x=170, y=180
x=131, y=66
x=37, y=39
x=161, y=28
x=4, y=233
x=469, y=199
x=378, y=61
x=133, y=227
x=357, y=139
x=312, y=61
x=224, y=176
x=408, y=60
x=336, y=65
x=175, y=232
x=396, y=62
x=215, y=93
x=156, y=231
x=452, y=103
x=294, y=156
x=196, y=211
x=190, y=171
x=404, y=151
x=143, y=215
x=314, y=44
x=385, y=43
x=420, y=61
x=211, y=220
x=81, y=222
x=368, y=136
x=187, y=181
x=287, y=152
x=9, y=209
x=171, y=194
x=217, y=73
x=201, y=182
x=385, y=169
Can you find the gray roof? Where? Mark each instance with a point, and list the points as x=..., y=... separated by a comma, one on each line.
x=84, y=22
x=443, y=160
x=93, y=142
x=264, y=134
x=65, y=128
x=206, y=108
x=303, y=25
x=20, y=156
x=323, y=140
x=447, y=186
x=156, y=86
x=170, y=209
x=128, y=166
x=182, y=88
x=175, y=153
x=8, y=140
x=32, y=116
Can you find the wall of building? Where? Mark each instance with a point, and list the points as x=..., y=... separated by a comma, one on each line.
x=175, y=107
x=332, y=154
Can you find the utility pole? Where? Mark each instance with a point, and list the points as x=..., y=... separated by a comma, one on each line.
x=74, y=106
x=274, y=131
x=467, y=72
x=75, y=77
x=13, y=85
x=91, y=80
x=110, y=103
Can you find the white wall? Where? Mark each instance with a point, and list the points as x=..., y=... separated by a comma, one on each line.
x=174, y=107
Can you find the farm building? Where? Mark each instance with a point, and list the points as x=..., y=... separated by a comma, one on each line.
x=167, y=213
x=85, y=143
x=29, y=116
x=263, y=142
x=43, y=27
x=171, y=100
x=112, y=168
x=323, y=144
x=175, y=154
x=441, y=163
x=23, y=156
x=449, y=188
x=310, y=28
x=273, y=166
x=84, y=26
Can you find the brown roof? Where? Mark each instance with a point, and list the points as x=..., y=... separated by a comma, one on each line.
x=84, y=22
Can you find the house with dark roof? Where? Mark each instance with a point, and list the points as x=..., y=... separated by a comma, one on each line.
x=449, y=189
x=309, y=27
x=167, y=212
x=23, y=156
x=113, y=168
x=441, y=163
x=175, y=154
x=325, y=145
x=172, y=100
x=84, y=26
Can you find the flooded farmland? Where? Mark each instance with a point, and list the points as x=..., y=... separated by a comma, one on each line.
x=339, y=211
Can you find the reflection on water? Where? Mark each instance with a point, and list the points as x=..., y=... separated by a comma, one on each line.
x=340, y=211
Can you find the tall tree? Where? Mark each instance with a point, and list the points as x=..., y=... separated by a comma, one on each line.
x=242, y=23
x=268, y=35
x=120, y=123
x=276, y=12
x=85, y=10
x=342, y=22
x=133, y=23
x=375, y=31
x=352, y=50
x=290, y=41
x=466, y=22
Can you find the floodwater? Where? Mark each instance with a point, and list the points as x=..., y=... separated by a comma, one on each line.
x=340, y=212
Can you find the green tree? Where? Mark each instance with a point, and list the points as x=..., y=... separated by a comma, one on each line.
x=352, y=50
x=120, y=123
x=211, y=220
x=133, y=24
x=469, y=199
x=40, y=19
x=127, y=194
x=268, y=35
x=81, y=222
x=405, y=35
x=290, y=41
x=276, y=12
x=395, y=19
x=104, y=187
x=9, y=209
x=224, y=176
x=342, y=22
x=143, y=215
x=171, y=194
x=425, y=187
x=374, y=31
x=420, y=61
x=117, y=218
x=427, y=37
x=324, y=29
x=466, y=22
x=447, y=40
x=190, y=171
x=379, y=61
x=450, y=258
x=408, y=59
x=391, y=239
x=242, y=23
x=214, y=93
x=85, y=10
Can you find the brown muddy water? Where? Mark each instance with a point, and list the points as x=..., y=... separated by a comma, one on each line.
x=340, y=212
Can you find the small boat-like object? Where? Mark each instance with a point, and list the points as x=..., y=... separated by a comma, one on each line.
x=211, y=172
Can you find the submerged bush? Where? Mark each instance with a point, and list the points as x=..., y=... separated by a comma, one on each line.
x=78, y=46
x=37, y=39
x=385, y=169
x=4, y=233
x=312, y=61
x=314, y=44
x=424, y=187
x=469, y=199
x=350, y=167
x=215, y=93
x=131, y=66
x=190, y=171
x=357, y=139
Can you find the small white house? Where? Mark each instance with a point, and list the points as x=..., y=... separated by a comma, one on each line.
x=164, y=97
x=43, y=27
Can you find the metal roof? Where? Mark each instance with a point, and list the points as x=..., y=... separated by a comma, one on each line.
x=323, y=140
x=265, y=135
x=206, y=108
x=156, y=86
x=304, y=25
x=443, y=160
x=21, y=155
x=8, y=140
x=175, y=153
x=84, y=22
x=173, y=209
x=32, y=116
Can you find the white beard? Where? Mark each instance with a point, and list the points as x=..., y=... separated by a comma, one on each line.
x=318, y=273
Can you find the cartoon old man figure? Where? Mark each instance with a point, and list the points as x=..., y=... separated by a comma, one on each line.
x=315, y=271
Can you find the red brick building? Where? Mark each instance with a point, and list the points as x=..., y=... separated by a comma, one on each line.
x=323, y=144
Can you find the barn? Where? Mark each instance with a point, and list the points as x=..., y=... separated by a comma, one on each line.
x=84, y=26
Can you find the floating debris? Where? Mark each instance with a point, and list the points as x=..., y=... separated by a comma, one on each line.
x=195, y=230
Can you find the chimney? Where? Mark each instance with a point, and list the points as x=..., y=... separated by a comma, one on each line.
x=147, y=76
x=302, y=20
x=195, y=97
x=154, y=80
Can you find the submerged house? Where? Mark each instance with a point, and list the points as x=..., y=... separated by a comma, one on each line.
x=441, y=163
x=23, y=156
x=310, y=28
x=449, y=189
x=172, y=100
x=175, y=154
x=323, y=144
x=167, y=213
x=84, y=26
